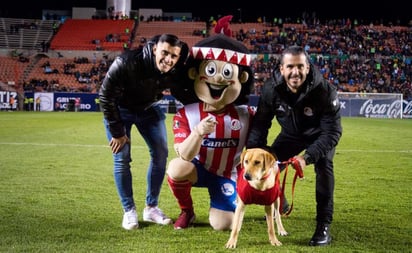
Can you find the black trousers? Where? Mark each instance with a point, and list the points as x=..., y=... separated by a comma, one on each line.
x=285, y=147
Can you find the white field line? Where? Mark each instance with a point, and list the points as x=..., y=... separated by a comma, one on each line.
x=372, y=151
x=144, y=146
x=61, y=145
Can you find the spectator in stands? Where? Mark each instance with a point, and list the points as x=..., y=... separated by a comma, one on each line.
x=57, y=106
x=26, y=103
x=308, y=111
x=12, y=102
x=77, y=104
x=97, y=103
x=55, y=27
x=43, y=46
x=47, y=69
x=125, y=46
x=129, y=96
x=31, y=103
x=38, y=104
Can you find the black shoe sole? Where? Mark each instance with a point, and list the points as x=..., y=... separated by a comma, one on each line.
x=312, y=243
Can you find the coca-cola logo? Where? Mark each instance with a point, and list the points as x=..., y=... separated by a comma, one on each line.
x=390, y=110
x=407, y=108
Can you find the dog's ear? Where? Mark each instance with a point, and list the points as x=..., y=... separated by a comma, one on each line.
x=270, y=160
x=242, y=156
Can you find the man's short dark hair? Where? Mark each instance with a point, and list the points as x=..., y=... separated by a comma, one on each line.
x=174, y=41
x=295, y=50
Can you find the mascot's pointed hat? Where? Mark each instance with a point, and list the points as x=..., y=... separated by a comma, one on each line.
x=222, y=48
x=223, y=25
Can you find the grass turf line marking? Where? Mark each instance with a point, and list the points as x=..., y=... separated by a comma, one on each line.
x=140, y=146
x=61, y=144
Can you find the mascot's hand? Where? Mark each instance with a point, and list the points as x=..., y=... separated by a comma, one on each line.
x=206, y=126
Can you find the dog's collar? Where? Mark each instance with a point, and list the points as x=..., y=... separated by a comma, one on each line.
x=266, y=176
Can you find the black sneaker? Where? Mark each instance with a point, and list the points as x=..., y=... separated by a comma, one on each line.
x=321, y=237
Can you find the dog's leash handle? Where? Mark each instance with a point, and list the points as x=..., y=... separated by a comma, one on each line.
x=296, y=165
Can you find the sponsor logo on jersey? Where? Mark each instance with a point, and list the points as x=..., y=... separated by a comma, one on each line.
x=220, y=143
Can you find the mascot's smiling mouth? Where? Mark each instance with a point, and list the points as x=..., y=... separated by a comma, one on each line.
x=216, y=90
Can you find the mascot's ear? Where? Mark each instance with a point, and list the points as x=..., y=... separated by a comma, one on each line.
x=192, y=73
x=243, y=77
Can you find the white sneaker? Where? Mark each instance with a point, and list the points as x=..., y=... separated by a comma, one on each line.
x=154, y=214
x=130, y=220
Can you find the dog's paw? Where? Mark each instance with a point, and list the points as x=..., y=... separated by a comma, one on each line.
x=275, y=242
x=231, y=244
x=282, y=233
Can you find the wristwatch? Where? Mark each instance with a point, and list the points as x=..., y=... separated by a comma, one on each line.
x=307, y=159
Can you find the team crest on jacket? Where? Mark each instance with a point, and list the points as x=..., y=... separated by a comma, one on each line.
x=235, y=124
x=308, y=111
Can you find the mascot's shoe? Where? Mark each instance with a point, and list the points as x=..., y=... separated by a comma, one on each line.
x=321, y=237
x=186, y=218
x=130, y=219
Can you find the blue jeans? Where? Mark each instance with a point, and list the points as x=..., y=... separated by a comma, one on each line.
x=151, y=125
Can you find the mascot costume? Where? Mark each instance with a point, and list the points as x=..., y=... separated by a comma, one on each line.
x=210, y=134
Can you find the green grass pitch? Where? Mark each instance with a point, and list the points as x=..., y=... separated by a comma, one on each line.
x=57, y=192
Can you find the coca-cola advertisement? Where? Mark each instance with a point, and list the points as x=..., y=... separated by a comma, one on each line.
x=376, y=108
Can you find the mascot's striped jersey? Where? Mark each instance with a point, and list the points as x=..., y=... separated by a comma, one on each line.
x=220, y=151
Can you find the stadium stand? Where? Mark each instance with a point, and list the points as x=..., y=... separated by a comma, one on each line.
x=92, y=34
x=73, y=75
x=25, y=33
x=184, y=30
x=10, y=70
x=362, y=57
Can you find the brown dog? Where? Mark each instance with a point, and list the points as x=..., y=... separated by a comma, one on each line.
x=258, y=183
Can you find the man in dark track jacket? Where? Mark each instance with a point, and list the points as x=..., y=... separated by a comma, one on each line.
x=129, y=96
x=307, y=108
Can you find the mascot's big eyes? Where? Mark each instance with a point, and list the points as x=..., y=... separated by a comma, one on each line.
x=210, y=69
x=227, y=71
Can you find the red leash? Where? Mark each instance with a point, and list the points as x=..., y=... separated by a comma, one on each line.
x=298, y=173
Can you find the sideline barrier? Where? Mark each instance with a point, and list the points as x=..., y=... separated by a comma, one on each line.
x=369, y=105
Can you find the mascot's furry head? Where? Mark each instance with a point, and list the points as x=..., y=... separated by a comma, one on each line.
x=220, y=68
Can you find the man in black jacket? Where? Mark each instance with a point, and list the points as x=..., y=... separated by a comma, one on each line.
x=129, y=96
x=307, y=108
